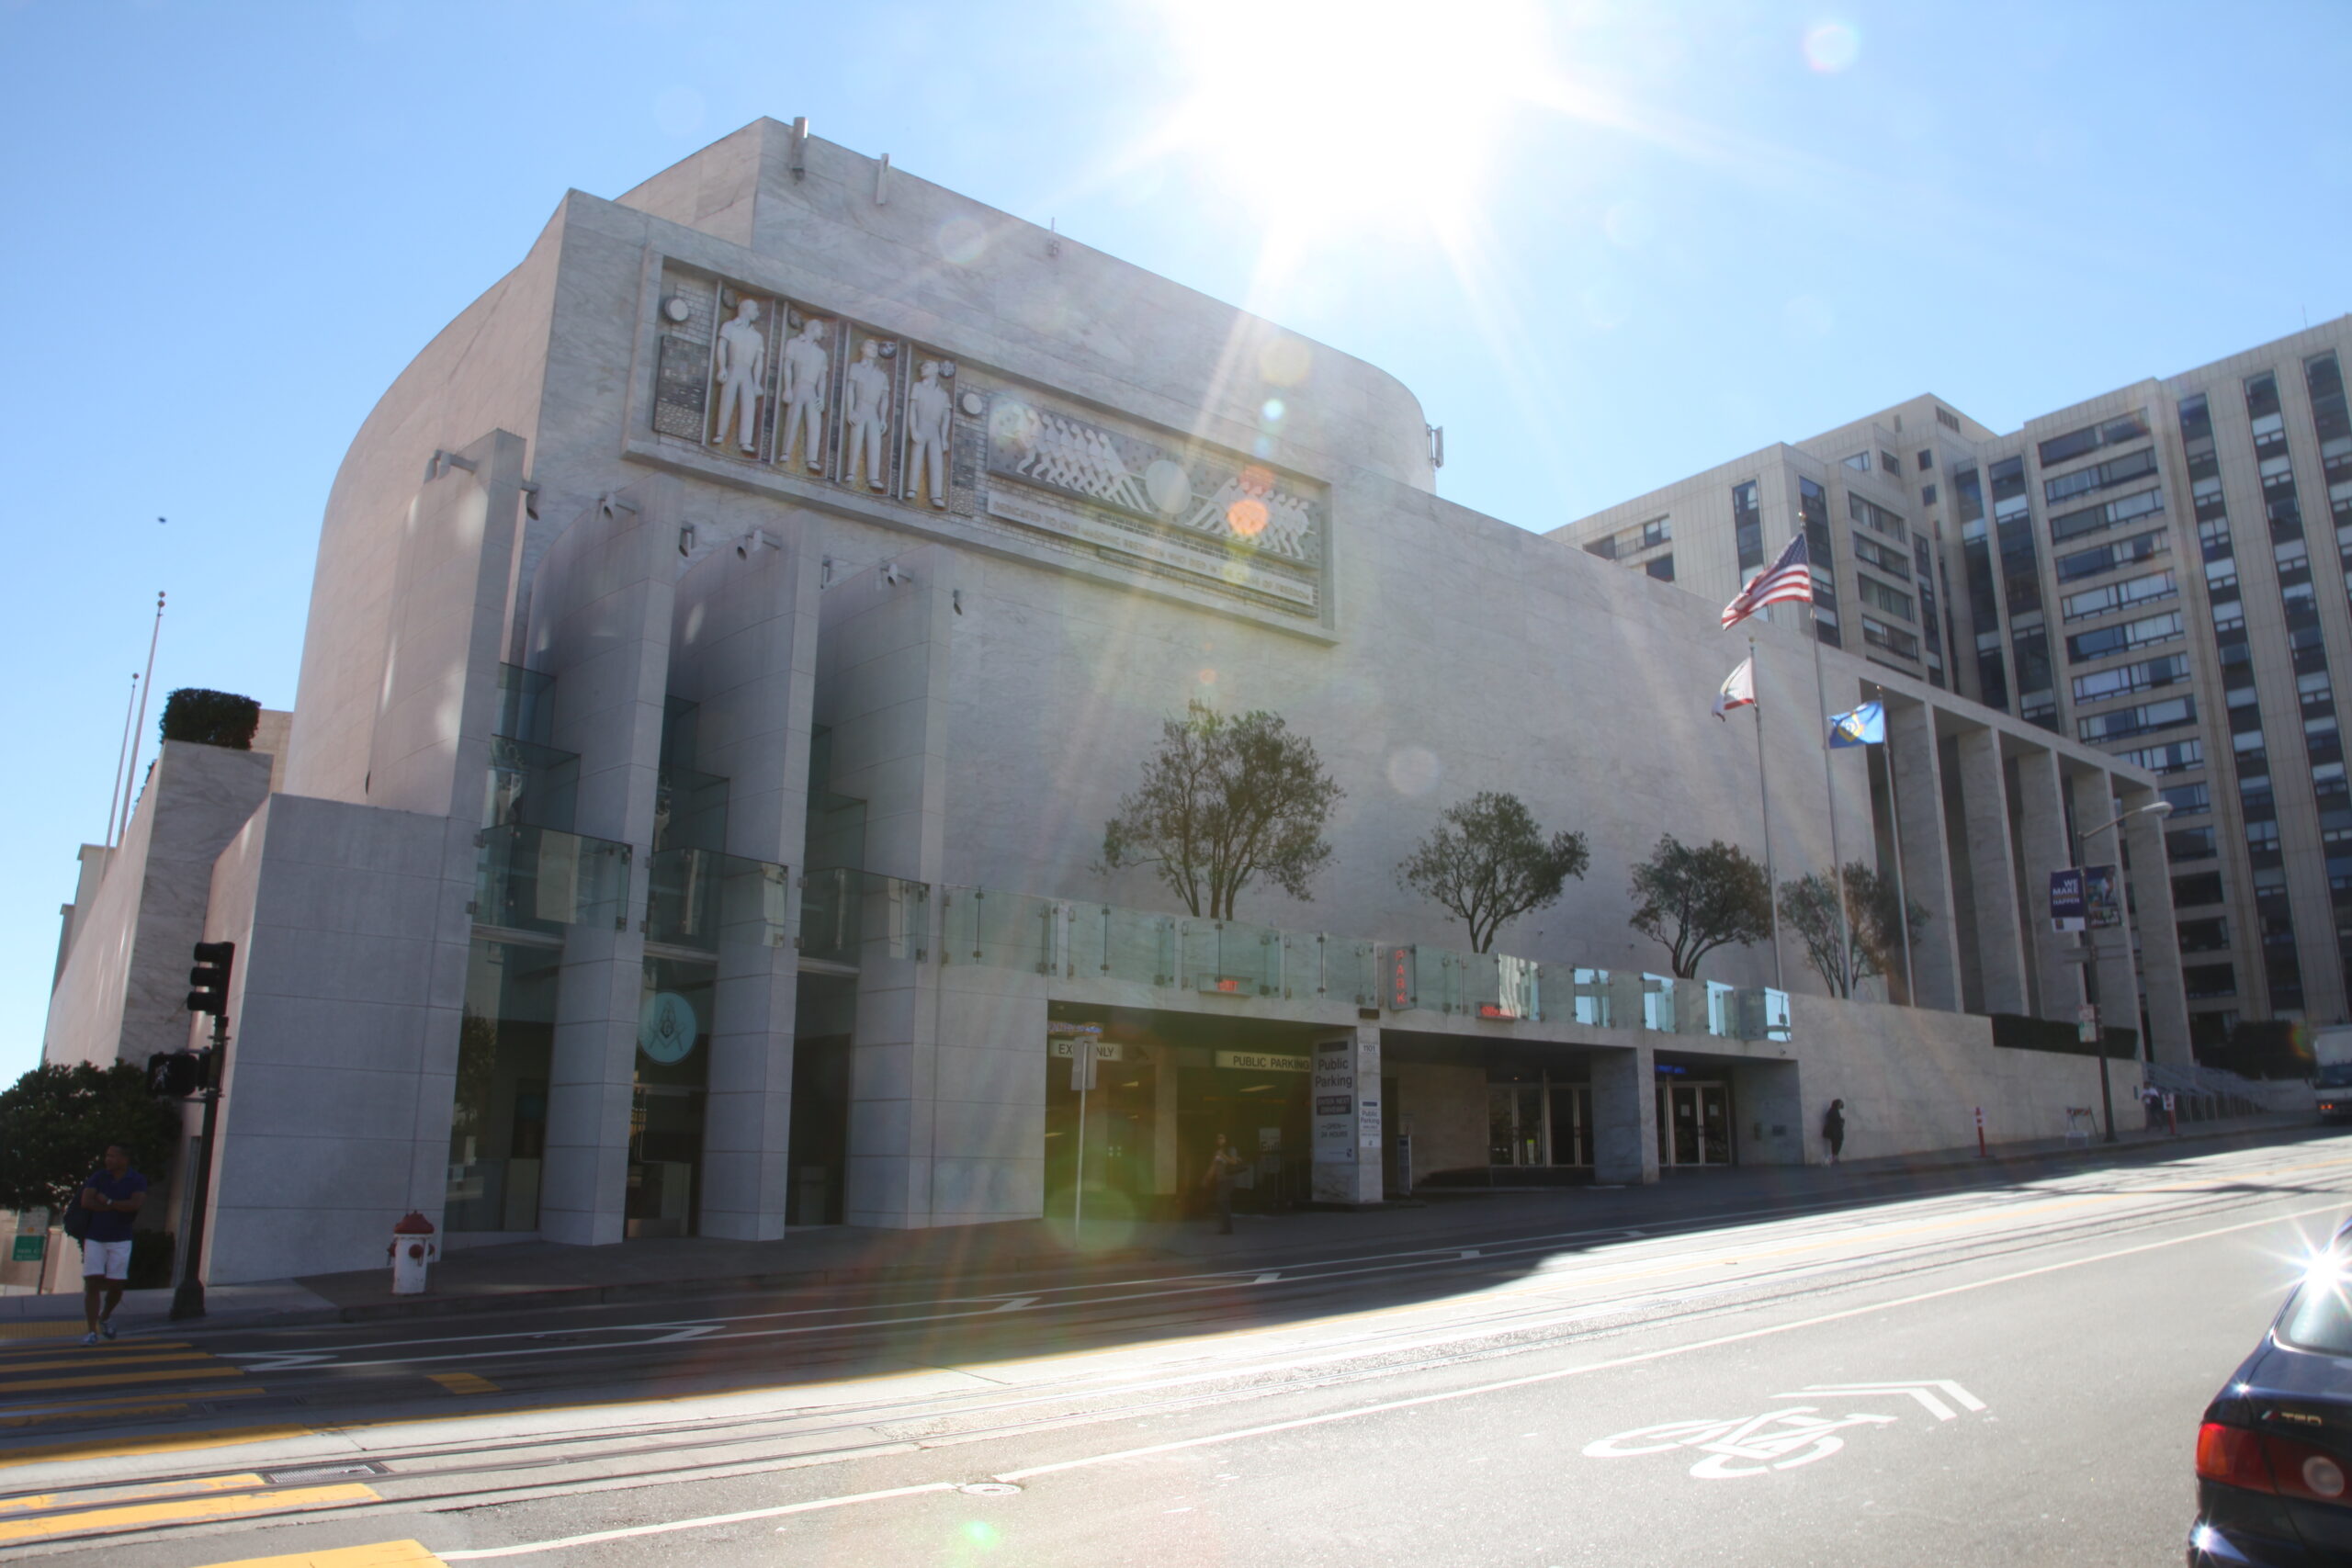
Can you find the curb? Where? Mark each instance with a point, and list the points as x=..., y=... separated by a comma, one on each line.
x=1068, y=1267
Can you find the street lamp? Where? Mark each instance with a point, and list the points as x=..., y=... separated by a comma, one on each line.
x=2159, y=809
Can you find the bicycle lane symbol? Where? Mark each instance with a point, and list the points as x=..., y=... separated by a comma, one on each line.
x=1776, y=1440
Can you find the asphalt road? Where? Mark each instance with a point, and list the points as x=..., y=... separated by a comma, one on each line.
x=2009, y=1370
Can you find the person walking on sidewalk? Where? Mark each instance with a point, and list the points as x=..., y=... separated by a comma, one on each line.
x=1833, y=1128
x=1225, y=1163
x=111, y=1196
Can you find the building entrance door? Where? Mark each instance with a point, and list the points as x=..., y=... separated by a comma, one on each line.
x=1693, y=1124
x=1538, y=1123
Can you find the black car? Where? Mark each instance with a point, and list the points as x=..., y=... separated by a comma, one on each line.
x=2274, y=1455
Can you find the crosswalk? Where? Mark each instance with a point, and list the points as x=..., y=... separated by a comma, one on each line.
x=52, y=1385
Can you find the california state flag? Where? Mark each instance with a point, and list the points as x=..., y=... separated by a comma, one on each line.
x=1738, y=689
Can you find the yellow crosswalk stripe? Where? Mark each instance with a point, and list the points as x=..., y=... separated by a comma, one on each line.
x=463, y=1382
x=86, y=1361
x=136, y=1492
x=382, y=1555
x=39, y=1330
x=228, y=1506
x=99, y=1380
x=105, y=1350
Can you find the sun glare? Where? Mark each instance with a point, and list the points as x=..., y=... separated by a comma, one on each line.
x=1323, y=113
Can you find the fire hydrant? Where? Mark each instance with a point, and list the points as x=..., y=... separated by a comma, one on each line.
x=414, y=1246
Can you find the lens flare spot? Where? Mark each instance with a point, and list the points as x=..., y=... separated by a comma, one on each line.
x=1247, y=517
x=1284, y=361
x=1272, y=411
x=980, y=1532
x=1208, y=676
x=961, y=241
x=1831, y=47
x=1413, y=770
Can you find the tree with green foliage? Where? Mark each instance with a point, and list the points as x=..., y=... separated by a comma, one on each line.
x=1487, y=863
x=1866, y=940
x=1694, y=899
x=1224, y=802
x=56, y=1122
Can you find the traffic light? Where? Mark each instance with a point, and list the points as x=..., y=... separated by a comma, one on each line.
x=177, y=1074
x=210, y=977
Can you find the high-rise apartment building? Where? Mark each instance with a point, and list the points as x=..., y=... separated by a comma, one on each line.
x=2161, y=571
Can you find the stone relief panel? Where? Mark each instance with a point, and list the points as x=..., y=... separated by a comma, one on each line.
x=790, y=391
x=869, y=397
x=1178, y=506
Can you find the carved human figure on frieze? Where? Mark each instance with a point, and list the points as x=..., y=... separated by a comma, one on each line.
x=743, y=372
x=866, y=414
x=803, y=392
x=928, y=408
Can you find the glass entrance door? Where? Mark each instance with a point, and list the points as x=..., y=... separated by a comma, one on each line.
x=1693, y=1124
x=1515, y=1132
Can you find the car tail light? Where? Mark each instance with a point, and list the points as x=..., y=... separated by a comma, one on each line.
x=2233, y=1456
x=2302, y=1471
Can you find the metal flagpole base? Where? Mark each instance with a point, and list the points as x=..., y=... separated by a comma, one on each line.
x=187, y=1301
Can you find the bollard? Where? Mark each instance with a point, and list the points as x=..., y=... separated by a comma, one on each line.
x=414, y=1246
x=1980, y=1134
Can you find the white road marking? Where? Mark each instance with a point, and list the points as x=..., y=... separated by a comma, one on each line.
x=708, y=1521
x=1268, y=1278
x=1014, y=1303
x=1922, y=1392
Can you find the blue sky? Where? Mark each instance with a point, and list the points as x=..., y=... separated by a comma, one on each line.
x=1607, y=244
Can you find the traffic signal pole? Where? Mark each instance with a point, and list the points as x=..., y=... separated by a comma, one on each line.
x=209, y=994
x=187, y=1301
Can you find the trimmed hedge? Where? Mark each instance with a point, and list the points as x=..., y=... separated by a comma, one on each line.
x=2019, y=1033
x=212, y=718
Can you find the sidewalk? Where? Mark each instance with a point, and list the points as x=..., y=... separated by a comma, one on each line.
x=538, y=1276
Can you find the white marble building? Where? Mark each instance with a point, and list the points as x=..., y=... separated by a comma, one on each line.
x=678, y=837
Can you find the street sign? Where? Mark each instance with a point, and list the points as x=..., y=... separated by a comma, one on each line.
x=2066, y=899
x=1081, y=1065
x=29, y=1249
x=2087, y=1023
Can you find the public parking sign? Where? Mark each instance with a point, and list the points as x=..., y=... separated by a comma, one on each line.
x=29, y=1249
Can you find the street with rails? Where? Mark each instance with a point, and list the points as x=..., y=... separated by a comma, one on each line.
x=1996, y=1365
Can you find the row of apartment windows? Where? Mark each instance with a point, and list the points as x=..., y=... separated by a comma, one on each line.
x=2090, y=438
x=1632, y=541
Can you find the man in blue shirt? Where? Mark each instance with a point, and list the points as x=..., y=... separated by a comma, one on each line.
x=113, y=1195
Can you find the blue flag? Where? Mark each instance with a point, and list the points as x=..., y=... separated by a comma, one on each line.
x=1866, y=725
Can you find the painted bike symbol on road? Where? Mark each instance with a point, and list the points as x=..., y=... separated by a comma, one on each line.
x=1778, y=1439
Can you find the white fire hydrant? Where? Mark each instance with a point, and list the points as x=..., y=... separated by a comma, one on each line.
x=413, y=1248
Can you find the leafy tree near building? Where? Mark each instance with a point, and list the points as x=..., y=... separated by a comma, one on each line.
x=1487, y=863
x=1224, y=802
x=1694, y=899
x=1869, y=941
x=56, y=1122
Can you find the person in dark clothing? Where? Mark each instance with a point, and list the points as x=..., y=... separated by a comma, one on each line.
x=1833, y=1128
x=113, y=1195
x=1225, y=1163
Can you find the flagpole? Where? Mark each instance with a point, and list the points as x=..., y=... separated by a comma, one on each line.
x=1902, y=885
x=1764, y=790
x=1829, y=784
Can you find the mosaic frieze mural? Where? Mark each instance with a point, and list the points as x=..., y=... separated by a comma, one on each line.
x=796, y=391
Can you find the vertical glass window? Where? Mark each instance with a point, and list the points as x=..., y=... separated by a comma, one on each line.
x=1813, y=509
x=498, y=1131
x=1747, y=527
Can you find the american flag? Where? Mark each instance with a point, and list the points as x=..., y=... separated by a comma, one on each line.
x=1788, y=579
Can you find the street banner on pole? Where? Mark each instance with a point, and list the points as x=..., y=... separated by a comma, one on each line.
x=2066, y=899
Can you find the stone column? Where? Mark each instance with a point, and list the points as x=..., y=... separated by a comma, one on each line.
x=1624, y=1115
x=2045, y=846
x=745, y=653
x=1346, y=1106
x=1768, y=1112
x=600, y=624
x=2159, y=933
x=1992, y=876
x=1915, y=774
x=2118, y=978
